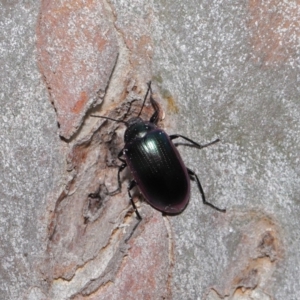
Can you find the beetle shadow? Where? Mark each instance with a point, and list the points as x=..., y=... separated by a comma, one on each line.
x=172, y=214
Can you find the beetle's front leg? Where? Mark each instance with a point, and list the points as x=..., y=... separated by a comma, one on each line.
x=130, y=187
x=175, y=136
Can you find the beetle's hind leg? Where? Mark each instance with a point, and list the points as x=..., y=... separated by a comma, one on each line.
x=191, y=173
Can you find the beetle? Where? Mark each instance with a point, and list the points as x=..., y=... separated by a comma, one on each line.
x=155, y=164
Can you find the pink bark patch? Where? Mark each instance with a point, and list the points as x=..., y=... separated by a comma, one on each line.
x=78, y=50
x=145, y=272
x=274, y=27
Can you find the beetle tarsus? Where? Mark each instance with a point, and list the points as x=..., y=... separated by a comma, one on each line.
x=133, y=230
x=192, y=173
x=211, y=143
x=121, y=168
x=175, y=136
x=130, y=187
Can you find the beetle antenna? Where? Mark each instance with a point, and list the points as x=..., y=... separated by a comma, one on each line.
x=129, y=108
x=107, y=118
x=149, y=89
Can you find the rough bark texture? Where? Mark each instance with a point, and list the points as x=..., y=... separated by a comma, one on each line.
x=218, y=69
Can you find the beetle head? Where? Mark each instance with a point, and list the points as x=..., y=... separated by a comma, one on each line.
x=137, y=128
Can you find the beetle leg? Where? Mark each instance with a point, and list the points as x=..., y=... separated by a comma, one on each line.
x=175, y=136
x=129, y=108
x=130, y=187
x=121, y=168
x=191, y=173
